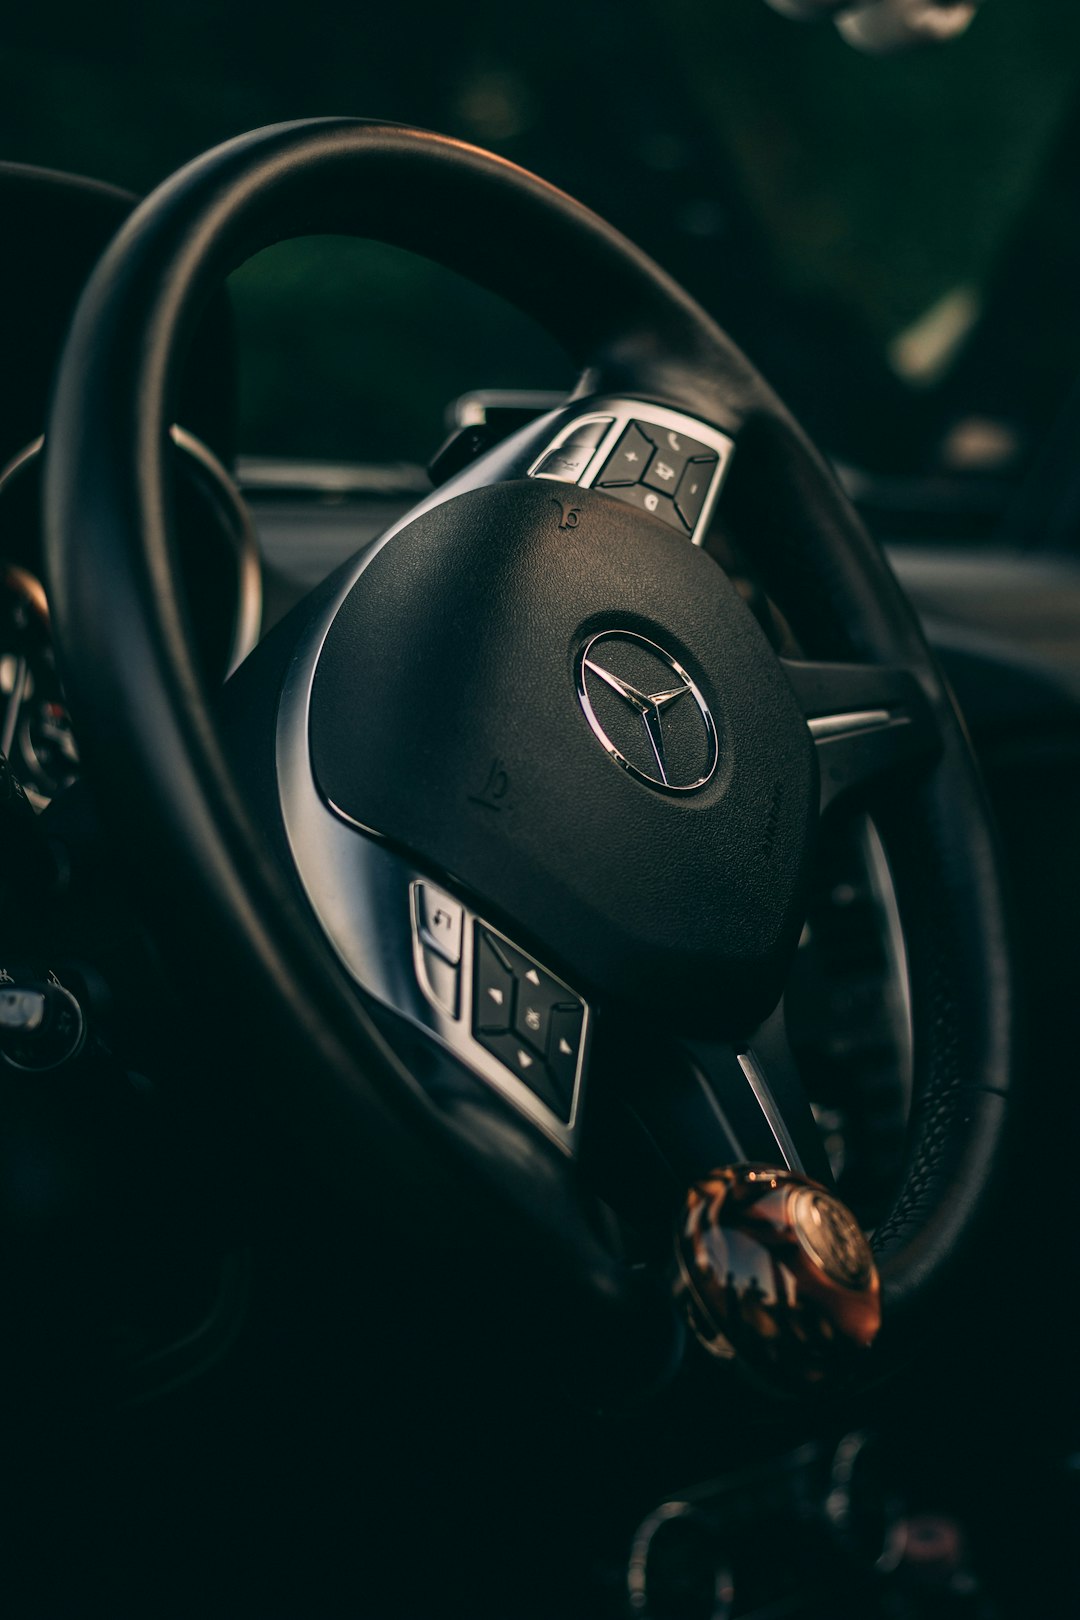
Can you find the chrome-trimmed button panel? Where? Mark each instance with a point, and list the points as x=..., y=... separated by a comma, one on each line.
x=379, y=913
x=529, y=1019
x=534, y=1027
x=435, y=983
x=676, y=450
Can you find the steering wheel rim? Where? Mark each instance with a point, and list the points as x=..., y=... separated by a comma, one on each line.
x=155, y=741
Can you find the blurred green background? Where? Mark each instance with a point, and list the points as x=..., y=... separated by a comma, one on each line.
x=819, y=202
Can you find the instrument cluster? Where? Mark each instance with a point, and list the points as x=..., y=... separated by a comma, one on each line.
x=224, y=589
x=35, y=727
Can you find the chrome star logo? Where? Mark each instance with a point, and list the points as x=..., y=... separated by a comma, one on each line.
x=636, y=731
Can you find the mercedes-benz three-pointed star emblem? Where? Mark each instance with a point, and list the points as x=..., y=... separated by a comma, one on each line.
x=680, y=769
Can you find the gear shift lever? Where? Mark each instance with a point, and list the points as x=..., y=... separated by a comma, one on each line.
x=776, y=1272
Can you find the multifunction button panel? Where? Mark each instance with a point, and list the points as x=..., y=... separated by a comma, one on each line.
x=511, y=1019
x=527, y=1019
x=661, y=461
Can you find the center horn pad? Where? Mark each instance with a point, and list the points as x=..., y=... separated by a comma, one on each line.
x=565, y=707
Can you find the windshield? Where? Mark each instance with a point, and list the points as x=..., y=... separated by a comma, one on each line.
x=895, y=242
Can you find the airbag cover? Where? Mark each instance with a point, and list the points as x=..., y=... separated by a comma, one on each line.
x=446, y=715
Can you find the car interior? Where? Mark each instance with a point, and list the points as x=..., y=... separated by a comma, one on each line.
x=539, y=787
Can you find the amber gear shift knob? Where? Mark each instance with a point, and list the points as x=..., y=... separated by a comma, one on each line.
x=774, y=1271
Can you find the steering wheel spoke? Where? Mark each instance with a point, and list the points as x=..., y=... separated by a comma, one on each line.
x=695, y=1104
x=416, y=948
x=869, y=722
x=703, y=1103
x=755, y=1090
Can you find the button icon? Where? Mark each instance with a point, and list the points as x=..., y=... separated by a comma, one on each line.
x=493, y=986
x=693, y=489
x=669, y=464
x=628, y=459
x=566, y=464
x=566, y=1025
x=439, y=920
x=497, y=785
x=661, y=506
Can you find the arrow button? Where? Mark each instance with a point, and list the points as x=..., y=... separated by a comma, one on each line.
x=493, y=989
x=565, y=1044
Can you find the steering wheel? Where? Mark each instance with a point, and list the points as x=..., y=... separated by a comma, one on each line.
x=493, y=859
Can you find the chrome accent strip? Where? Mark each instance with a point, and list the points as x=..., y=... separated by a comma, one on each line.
x=775, y=1120
x=273, y=475
x=247, y=625
x=898, y=975
x=20, y=459
x=472, y=409
x=840, y=725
